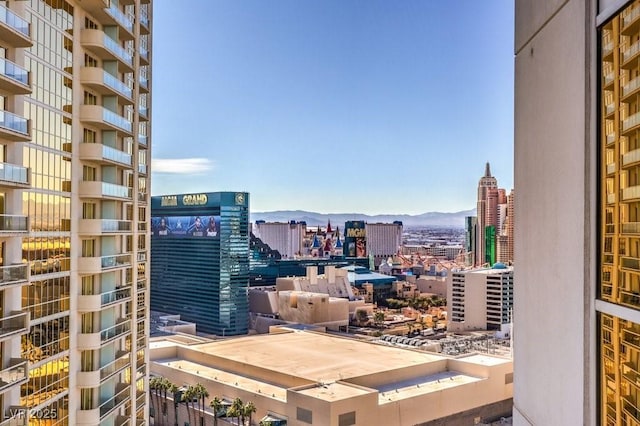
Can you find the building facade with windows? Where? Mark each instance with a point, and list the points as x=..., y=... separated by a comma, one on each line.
x=480, y=299
x=74, y=137
x=285, y=237
x=577, y=164
x=200, y=259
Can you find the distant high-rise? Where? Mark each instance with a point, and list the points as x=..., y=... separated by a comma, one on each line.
x=383, y=240
x=285, y=237
x=200, y=259
x=509, y=226
x=470, y=224
x=485, y=186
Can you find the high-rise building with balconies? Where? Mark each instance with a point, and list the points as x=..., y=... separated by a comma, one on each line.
x=74, y=131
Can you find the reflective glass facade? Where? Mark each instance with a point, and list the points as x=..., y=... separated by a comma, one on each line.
x=73, y=279
x=619, y=237
x=200, y=259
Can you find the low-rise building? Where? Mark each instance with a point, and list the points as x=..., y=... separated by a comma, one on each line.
x=349, y=382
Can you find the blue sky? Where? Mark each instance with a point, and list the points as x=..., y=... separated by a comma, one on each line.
x=333, y=106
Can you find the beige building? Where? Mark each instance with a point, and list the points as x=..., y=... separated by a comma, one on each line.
x=74, y=179
x=383, y=240
x=479, y=299
x=326, y=300
x=333, y=282
x=313, y=308
x=348, y=382
x=286, y=237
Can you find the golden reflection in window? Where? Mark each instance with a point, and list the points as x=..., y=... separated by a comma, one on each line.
x=46, y=255
x=48, y=297
x=46, y=339
x=45, y=382
x=47, y=212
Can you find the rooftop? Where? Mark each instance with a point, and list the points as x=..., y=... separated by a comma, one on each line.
x=297, y=354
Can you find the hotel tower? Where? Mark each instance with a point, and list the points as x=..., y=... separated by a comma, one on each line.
x=74, y=181
x=577, y=170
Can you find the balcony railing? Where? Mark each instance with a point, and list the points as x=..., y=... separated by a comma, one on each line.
x=13, y=374
x=115, y=331
x=113, y=154
x=14, y=122
x=630, y=52
x=9, y=18
x=108, y=406
x=114, y=190
x=631, y=86
x=114, y=367
x=631, y=157
x=631, y=121
x=143, y=110
x=115, y=261
x=608, y=79
x=114, y=225
x=142, y=140
x=14, y=174
x=611, y=168
x=629, y=405
x=120, y=17
x=631, y=193
x=117, y=85
x=144, y=83
x=144, y=19
x=144, y=53
x=142, y=168
x=13, y=274
x=631, y=228
x=630, y=263
x=630, y=298
x=13, y=223
x=14, y=71
x=631, y=16
x=611, y=138
x=118, y=50
x=13, y=324
x=608, y=109
x=117, y=120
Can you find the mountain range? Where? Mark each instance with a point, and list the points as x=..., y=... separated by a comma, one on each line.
x=430, y=219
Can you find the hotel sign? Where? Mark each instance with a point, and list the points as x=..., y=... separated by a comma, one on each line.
x=194, y=200
x=169, y=201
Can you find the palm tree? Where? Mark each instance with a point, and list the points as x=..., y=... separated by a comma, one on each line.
x=201, y=394
x=153, y=388
x=248, y=409
x=165, y=385
x=177, y=398
x=187, y=397
x=235, y=409
x=216, y=405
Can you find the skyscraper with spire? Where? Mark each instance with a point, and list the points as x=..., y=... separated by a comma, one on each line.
x=487, y=190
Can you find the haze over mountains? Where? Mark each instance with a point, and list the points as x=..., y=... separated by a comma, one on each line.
x=430, y=219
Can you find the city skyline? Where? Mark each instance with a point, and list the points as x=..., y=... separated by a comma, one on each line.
x=333, y=107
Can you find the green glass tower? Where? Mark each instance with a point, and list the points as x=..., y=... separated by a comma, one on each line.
x=200, y=259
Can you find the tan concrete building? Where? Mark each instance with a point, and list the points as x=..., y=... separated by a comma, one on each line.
x=348, y=382
x=479, y=299
x=313, y=308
